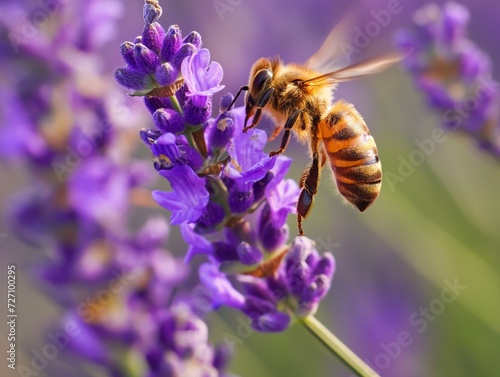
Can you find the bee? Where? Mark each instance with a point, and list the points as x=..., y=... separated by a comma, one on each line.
x=299, y=98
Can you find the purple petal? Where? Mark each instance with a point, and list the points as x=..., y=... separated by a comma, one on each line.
x=83, y=340
x=325, y=266
x=165, y=145
x=255, y=307
x=222, y=291
x=272, y=322
x=201, y=78
x=214, y=75
x=248, y=161
x=283, y=199
x=197, y=243
x=100, y=190
x=189, y=198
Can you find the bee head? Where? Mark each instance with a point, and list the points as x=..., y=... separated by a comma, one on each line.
x=260, y=90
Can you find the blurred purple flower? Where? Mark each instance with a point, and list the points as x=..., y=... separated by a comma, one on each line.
x=117, y=288
x=99, y=189
x=453, y=73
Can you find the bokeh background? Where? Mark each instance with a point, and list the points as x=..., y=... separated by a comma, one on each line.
x=440, y=224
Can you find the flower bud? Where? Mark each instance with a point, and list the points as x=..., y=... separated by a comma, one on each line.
x=171, y=43
x=225, y=252
x=211, y=217
x=189, y=155
x=222, y=131
x=166, y=74
x=249, y=254
x=186, y=50
x=225, y=101
x=133, y=79
x=240, y=200
x=257, y=306
x=149, y=136
x=315, y=291
x=155, y=103
x=297, y=278
x=152, y=36
x=194, y=38
x=151, y=11
x=272, y=322
x=271, y=235
x=146, y=59
x=166, y=151
x=168, y=120
x=197, y=115
x=325, y=266
x=127, y=51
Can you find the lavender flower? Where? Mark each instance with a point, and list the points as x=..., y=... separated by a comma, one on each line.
x=230, y=197
x=453, y=73
x=297, y=286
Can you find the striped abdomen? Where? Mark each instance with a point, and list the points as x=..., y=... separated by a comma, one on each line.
x=353, y=155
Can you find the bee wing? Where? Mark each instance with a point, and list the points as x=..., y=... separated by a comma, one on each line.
x=355, y=71
x=330, y=55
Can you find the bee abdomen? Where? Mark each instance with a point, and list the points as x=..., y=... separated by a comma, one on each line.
x=353, y=157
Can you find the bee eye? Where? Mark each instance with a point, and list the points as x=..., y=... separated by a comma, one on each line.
x=260, y=79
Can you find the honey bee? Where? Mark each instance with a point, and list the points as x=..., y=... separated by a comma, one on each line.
x=299, y=98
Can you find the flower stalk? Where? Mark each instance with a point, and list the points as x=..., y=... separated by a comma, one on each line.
x=339, y=349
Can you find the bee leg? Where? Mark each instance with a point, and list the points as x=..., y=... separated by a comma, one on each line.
x=309, y=184
x=263, y=100
x=286, y=135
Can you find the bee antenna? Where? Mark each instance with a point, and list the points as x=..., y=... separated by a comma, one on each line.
x=243, y=88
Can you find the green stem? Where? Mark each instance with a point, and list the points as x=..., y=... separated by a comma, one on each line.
x=177, y=107
x=175, y=104
x=338, y=348
x=190, y=139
